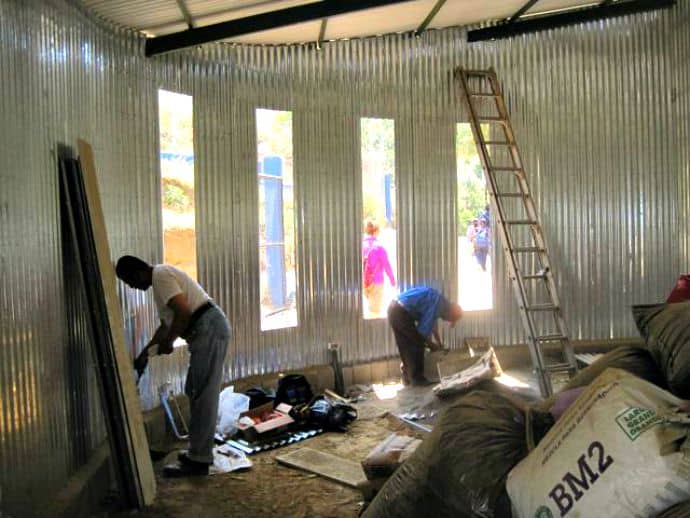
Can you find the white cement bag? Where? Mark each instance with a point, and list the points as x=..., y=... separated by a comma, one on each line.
x=612, y=454
x=486, y=367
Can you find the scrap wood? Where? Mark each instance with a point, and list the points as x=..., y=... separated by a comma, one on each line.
x=328, y=466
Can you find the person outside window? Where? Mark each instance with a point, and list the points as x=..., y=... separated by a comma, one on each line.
x=413, y=316
x=471, y=232
x=481, y=243
x=186, y=311
x=374, y=264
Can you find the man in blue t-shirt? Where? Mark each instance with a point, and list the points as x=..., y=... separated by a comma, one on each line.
x=413, y=317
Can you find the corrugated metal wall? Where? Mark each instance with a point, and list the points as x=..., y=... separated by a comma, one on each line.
x=601, y=110
x=61, y=77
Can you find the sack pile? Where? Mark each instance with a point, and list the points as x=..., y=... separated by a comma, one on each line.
x=613, y=437
x=461, y=467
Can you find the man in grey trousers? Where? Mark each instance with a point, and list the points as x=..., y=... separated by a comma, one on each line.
x=186, y=311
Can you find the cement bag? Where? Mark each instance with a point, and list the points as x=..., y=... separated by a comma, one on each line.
x=611, y=454
x=666, y=329
x=636, y=360
x=486, y=367
x=460, y=468
x=633, y=359
x=677, y=511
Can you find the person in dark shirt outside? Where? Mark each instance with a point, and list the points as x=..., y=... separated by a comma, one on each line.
x=413, y=317
x=482, y=241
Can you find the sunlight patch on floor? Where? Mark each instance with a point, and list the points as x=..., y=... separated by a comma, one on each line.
x=510, y=381
x=387, y=390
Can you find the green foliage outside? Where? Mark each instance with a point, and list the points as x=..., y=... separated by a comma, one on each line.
x=378, y=160
x=472, y=194
x=176, y=197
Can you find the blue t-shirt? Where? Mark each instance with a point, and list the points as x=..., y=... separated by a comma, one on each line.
x=425, y=305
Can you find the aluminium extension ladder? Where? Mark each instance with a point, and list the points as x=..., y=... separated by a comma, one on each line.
x=521, y=234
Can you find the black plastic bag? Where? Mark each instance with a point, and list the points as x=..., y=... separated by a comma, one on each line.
x=293, y=389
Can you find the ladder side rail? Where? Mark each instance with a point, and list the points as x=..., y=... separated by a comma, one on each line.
x=518, y=286
x=530, y=206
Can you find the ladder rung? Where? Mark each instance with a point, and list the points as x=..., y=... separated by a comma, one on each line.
x=483, y=94
x=559, y=367
x=527, y=249
x=520, y=222
x=497, y=143
x=551, y=338
x=542, y=307
x=541, y=274
x=477, y=73
x=511, y=195
x=506, y=169
x=499, y=120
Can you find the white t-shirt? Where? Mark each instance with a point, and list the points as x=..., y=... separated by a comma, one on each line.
x=169, y=281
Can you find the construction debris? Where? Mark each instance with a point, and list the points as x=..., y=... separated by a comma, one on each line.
x=329, y=466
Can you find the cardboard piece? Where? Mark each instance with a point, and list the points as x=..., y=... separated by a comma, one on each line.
x=278, y=421
x=328, y=466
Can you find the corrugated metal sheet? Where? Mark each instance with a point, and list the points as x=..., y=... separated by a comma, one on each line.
x=63, y=78
x=601, y=110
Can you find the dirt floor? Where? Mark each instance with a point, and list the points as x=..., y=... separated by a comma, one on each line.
x=271, y=489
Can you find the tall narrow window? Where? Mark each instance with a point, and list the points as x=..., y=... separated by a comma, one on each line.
x=379, y=221
x=475, y=239
x=278, y=269
x=177, y=180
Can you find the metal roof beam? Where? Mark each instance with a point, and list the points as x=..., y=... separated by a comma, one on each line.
x=259, y=22
x=322, y=33
x=522, y=10
x=542, y=23
x=182, y=6
x=429, y=17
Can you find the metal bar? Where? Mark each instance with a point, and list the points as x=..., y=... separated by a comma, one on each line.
x=259, y=22
x=522, y=10
x=543, y=23
x=185, y=13
x=429, y=17
x=322, y=33
x=418, y=426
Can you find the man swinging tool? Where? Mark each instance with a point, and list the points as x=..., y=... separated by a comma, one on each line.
x=186, y=311
x=413, y=317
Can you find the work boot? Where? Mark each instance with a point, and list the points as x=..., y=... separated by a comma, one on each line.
x=185, y=467
x=421, y=382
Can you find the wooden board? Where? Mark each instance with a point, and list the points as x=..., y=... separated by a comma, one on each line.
x=125, y=399
x=327, y=465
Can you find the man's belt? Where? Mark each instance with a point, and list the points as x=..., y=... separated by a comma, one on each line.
x=198, y=313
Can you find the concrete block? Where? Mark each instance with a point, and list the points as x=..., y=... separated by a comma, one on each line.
x=326, y=378
x=379, y=371
x=362, y=374
x=348, y=376
x=393, y=369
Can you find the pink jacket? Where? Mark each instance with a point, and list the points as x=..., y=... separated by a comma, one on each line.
x=376, y=261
